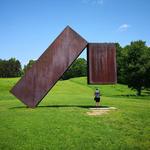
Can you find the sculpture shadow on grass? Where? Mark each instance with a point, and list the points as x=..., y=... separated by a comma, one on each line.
x=61, y=106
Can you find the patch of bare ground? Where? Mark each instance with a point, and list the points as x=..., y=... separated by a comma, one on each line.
x=97, y=112
x=100, y=111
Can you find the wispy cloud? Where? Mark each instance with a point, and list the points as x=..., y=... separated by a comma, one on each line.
x=95, y=2
x=124, y=27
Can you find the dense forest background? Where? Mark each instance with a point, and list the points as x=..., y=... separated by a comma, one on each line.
x=133, y=66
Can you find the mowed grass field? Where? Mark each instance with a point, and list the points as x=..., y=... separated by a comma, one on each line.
x=61, y=121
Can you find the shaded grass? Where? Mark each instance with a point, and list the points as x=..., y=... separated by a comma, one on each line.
x=61, y=122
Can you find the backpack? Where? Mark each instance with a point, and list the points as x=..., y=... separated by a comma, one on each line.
x=97, y=94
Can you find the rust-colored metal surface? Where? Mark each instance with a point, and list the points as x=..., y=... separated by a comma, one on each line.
x=48, y=69
x=101, y=63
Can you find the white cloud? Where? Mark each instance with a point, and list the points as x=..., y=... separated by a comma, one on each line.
x=124, y=27
x=95, y=2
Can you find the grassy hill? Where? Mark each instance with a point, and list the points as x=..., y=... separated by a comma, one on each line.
x=61, y=120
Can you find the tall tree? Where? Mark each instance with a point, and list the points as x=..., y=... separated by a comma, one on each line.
x=137, y=65
x=120, y=64
x=147, y=68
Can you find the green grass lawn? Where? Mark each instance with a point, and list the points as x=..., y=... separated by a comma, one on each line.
x=61, y=121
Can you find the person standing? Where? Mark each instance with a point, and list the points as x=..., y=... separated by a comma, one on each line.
x=97, y=97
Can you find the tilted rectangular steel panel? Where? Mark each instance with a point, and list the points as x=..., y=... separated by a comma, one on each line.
x=101, y=63
x=50, y=66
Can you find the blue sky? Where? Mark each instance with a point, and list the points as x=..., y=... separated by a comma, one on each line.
x=27, y=27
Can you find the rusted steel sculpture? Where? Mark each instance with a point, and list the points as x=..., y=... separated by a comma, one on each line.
x=50, y=66
x=57, y=58
x=101, y=63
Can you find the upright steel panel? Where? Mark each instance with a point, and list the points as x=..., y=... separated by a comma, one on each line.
x=101, y=63
x=50, y=66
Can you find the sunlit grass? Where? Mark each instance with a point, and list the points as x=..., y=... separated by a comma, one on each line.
x=61, y=120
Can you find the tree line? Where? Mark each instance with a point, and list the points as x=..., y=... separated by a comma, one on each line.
x=10, y=68
x=133, y=66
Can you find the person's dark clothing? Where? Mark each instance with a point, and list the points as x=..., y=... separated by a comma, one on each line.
x=97, y=96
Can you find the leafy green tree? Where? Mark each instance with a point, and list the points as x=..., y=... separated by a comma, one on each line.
x=77, y=69
x=147, y=68
x=10, y=68
x=137, y=65
x=13, y=68
x=29, y=65
x=2, y=69
x=120, y=64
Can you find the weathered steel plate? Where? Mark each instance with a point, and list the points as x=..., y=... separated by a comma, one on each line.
x=101, y=63
x=50, y=66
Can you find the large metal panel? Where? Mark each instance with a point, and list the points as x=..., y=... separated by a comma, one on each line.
x=50, y=66
x=101, y=63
